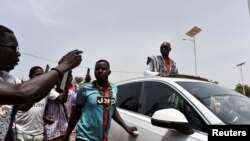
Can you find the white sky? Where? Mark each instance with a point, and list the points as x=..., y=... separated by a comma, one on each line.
x=125, y=32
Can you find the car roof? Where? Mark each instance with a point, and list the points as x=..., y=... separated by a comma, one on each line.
x=188, y=77
x=177, y=77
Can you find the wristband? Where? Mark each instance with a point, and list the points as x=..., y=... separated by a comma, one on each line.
x=60, y=74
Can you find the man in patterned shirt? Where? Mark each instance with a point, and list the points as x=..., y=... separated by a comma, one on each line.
x=95, y=107
x=59, y=110
x=161, y=65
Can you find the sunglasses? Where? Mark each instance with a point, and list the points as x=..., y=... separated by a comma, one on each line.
x=12, y=47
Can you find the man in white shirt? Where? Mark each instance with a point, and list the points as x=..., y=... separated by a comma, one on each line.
x=29, y=125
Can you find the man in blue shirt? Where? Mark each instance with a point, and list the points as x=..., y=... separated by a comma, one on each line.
x=95, y=107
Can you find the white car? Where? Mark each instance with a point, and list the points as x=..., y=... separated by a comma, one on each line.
x=176, y=108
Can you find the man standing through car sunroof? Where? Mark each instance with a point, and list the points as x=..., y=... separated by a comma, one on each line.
x=161, y=65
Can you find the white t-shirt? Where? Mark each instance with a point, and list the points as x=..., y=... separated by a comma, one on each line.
x=6, y=110
x=31, y=121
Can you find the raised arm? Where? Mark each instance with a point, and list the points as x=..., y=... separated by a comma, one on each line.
x=35, y=89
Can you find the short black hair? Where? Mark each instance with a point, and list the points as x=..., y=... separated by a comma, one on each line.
x=4, y=30
x=165, y=44
x=103, y=60
x=33, y=69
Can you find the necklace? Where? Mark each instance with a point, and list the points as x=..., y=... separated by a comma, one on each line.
x=107, y=102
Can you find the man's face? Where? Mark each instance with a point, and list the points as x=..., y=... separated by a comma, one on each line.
x=9, y=54
x=102, y=71
x=165, y=50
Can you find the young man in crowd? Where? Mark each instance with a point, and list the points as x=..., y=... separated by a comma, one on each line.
x=60, y=110
x=95, y=107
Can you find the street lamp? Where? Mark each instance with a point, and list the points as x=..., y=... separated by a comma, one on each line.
x=240, y=67
x=248, y=2
x=195, y=64
x=191, y=33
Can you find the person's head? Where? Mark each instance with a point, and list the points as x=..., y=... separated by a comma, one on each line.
x=9, y=54
x=165, y=49
x=35, y=71
x=102, y=70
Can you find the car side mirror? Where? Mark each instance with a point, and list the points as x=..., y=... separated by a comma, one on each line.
x=171, y=118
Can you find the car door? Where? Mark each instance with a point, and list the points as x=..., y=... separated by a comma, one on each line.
x=153, y=96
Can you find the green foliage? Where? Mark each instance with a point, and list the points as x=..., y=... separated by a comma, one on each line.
x=77, y=80
x=239, y=89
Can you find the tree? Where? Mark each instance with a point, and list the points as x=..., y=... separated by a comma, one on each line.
x=239, y=89
x=77, y=80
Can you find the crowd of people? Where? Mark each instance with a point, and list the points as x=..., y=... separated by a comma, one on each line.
x=41, y=109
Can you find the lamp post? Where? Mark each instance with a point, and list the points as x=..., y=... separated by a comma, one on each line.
x=191, y=33
x=242, y=82
x=248, y=2
x=195, y=63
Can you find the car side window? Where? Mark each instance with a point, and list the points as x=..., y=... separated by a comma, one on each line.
x=127, y=96
x=154, y=96
x=157, y=95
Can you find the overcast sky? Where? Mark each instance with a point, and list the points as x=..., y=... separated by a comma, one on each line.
x=125, y=32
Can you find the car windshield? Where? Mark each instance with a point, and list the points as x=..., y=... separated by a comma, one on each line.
x=231, y=107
